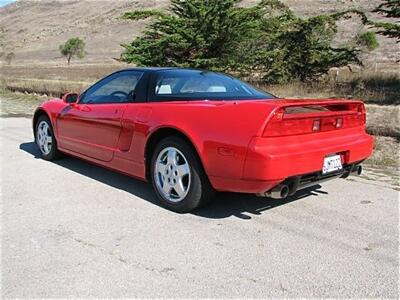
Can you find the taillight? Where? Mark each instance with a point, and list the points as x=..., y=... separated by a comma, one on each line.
x=358, y=118
x=280, y=125
x=278, y=115
x=298, y=120
x=362, y=113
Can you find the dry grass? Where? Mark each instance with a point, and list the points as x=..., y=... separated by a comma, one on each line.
x=84, y=73
x=53, y=81
x=372, y=87
x=383, y=120
x=45, y=87
x=386, y=153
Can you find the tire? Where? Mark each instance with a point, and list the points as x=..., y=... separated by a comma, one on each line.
x=45, y=139
x=179, y=180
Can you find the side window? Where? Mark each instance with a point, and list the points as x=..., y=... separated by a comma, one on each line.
x=117, y=88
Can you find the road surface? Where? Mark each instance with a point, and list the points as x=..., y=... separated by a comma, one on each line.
x=71, y=229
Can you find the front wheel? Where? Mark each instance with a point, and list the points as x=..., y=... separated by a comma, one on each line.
x=45, y=139
x=178, y=177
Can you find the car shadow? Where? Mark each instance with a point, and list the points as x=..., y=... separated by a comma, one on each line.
x=225, y=205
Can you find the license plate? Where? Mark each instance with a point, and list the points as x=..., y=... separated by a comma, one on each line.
x=331, y=164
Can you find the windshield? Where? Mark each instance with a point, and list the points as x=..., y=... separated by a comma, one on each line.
x=202, y=85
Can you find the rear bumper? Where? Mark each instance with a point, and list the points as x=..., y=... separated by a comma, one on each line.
x=270, y=161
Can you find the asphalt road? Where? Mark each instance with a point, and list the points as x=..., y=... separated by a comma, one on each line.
x=71, y=229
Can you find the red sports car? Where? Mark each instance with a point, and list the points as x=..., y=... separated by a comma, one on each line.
x=193, y=132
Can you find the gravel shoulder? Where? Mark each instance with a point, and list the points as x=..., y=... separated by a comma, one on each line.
x=71, y=229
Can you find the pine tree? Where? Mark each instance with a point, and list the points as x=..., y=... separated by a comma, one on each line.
x=267, y=40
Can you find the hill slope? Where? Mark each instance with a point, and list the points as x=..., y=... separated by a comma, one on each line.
x=34, y=29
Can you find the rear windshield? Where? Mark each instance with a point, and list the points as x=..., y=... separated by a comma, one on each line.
x=201, y=85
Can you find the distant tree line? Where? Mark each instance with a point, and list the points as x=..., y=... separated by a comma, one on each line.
x=266, y=40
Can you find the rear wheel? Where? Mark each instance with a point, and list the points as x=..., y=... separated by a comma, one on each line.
x=45, y=139
x=178, y=177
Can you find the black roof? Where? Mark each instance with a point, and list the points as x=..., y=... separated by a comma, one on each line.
x=155, y=69
x=147, y=68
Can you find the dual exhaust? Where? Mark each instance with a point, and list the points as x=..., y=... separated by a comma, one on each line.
x=289, y=187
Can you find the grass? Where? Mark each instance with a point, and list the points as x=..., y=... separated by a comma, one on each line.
x=386, y=153
x=84, y=72
x=52, y=80
x=383, y=120
x=47, y=87
x=372, y=87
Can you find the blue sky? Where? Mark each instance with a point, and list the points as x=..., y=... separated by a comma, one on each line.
x=5, y=2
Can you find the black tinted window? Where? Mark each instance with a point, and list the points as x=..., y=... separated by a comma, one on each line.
x=197, y=85
x=116, y=88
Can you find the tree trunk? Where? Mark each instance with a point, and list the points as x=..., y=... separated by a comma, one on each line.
x=69, y=60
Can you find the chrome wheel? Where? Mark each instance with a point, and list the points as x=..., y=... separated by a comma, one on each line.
x=44, y=137
x=172, y=174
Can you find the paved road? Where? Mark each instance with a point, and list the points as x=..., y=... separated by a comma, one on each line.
x=72, y=229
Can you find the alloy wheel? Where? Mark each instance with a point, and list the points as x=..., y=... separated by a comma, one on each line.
x=44, y=137
x=172, y=174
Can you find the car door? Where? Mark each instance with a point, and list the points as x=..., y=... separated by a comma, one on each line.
x=92, y=126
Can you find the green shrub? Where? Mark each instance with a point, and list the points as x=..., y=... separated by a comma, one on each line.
x=368, y=40
x=142, y=14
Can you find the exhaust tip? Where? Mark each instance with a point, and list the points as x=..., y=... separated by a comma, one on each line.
x=284, y=191
x=359, y=170
x=279, y=192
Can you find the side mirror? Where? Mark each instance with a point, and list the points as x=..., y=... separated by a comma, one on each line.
x=70, y=98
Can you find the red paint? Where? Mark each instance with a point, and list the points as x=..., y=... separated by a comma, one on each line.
x=90, y=129
x=245, y=146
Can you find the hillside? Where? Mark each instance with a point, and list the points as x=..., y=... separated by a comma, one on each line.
x=34, y=29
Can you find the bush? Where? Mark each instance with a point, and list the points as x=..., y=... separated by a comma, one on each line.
x=368, y=40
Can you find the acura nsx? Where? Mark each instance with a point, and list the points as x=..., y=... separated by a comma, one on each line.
x=192, y=133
